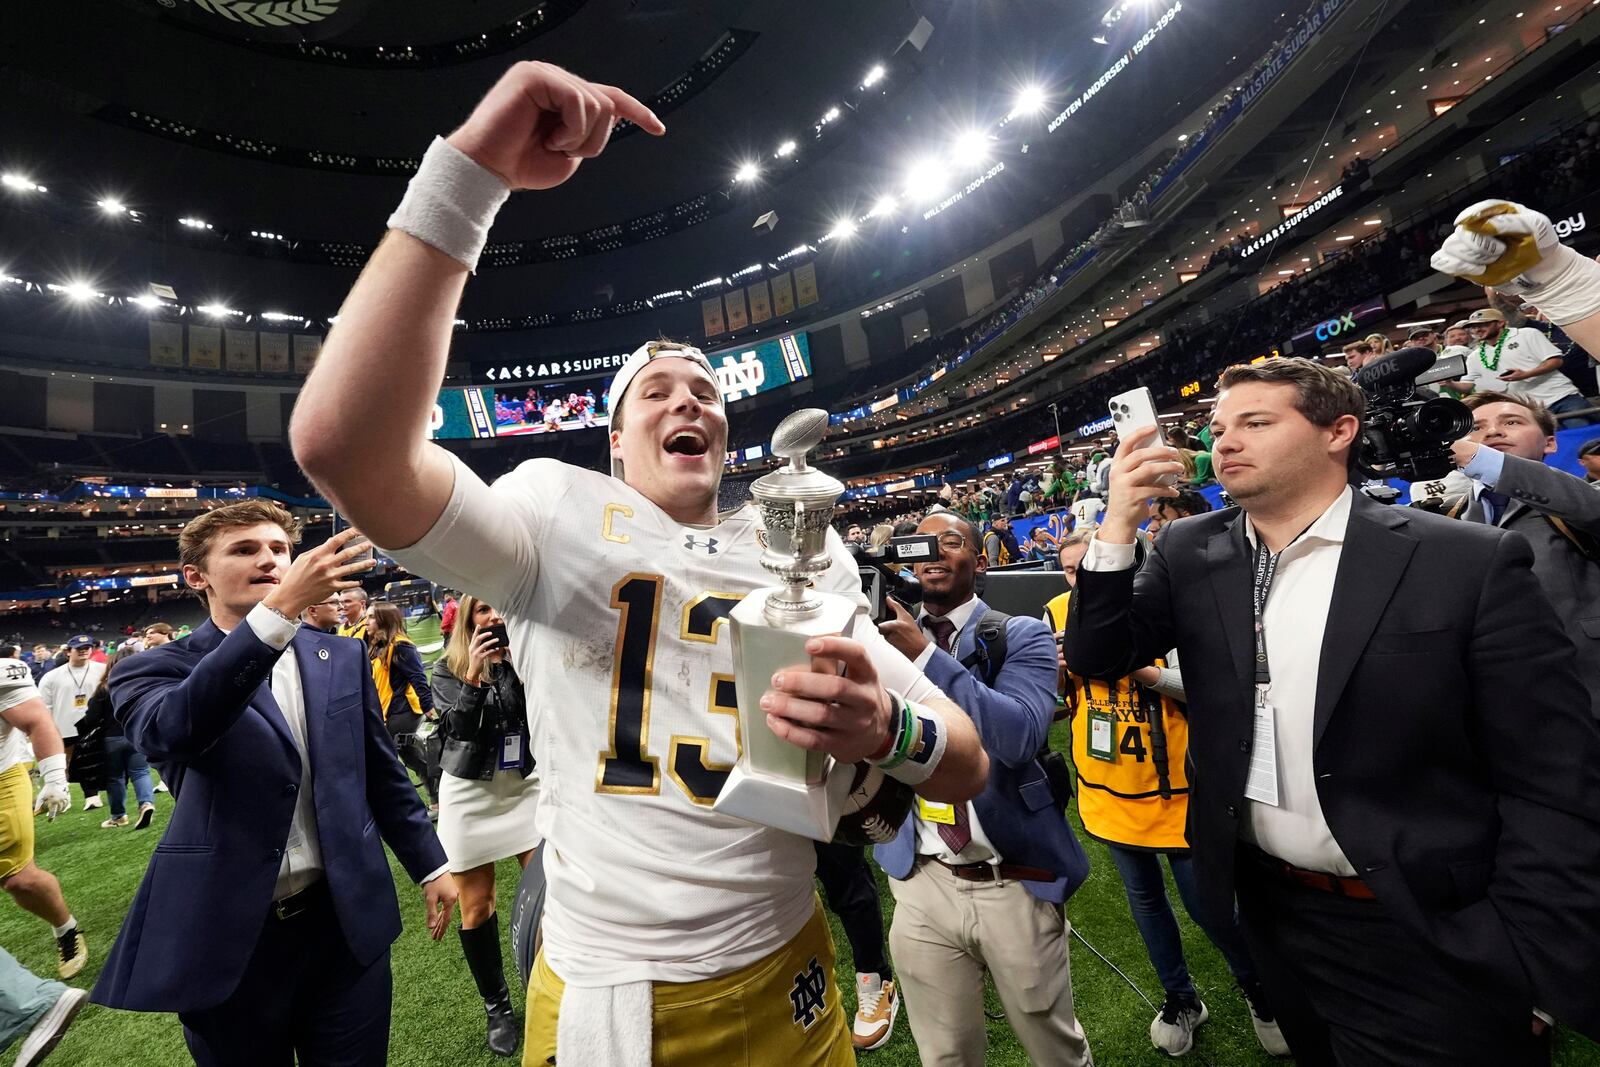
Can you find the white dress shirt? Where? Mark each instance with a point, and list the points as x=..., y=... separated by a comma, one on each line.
x=302, y=851
x=1295, y=619
x=980, y=849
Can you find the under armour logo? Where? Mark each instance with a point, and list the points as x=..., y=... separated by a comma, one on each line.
x=694, y=544
x=809, y=995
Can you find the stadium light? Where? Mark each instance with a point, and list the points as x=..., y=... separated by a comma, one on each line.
x=747, y=172
x=842, y=228
x=216, y=311
x=874, y=76
x=76, y=291
x=884, y=206
x=786, y=149
x=1030, y=101
x=925, y=180
x=970, y=148
x=21, y=184
x=194, y=223
x=111, y=206
x=146, y=301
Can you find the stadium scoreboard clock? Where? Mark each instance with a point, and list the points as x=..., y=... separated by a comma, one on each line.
x=1192, y=389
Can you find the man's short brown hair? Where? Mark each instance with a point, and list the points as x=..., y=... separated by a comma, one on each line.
x=1541, y=414
x=198, y=534
x=1321, y=395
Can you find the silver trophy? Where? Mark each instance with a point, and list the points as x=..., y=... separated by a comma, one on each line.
x=774, y=782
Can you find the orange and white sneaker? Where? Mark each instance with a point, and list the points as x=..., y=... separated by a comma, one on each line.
x=877, y=1007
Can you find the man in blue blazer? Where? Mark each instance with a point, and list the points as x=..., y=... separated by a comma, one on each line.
x=266, y=915
x=981, y=884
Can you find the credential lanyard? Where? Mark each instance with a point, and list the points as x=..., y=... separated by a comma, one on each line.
x=1266, y=569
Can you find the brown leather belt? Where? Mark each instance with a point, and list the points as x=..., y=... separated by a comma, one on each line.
x=1323, y=882
x=995, y=872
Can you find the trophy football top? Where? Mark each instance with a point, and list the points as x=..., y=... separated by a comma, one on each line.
x=799, y=433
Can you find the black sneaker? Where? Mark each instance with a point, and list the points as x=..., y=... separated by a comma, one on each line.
x=74, y=952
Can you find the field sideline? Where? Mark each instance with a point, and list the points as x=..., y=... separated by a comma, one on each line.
x=439, y=1020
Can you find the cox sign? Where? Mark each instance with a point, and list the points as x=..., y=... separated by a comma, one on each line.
x=1344, y=323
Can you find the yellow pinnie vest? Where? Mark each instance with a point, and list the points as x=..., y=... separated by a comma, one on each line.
x=381, y=678
x=1120, y=800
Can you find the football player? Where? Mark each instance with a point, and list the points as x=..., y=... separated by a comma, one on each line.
x=671, y=932
x=25, y=716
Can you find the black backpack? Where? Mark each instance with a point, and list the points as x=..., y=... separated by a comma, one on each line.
x=989, y=652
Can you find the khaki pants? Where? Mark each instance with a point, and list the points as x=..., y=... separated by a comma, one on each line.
x=946, y=931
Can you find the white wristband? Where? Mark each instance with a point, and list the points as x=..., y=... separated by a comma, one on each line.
x=915, y=761
x=451, y=203
x=54, y=768
x=1568, y=288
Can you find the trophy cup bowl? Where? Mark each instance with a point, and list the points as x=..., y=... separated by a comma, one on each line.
x=774, y=782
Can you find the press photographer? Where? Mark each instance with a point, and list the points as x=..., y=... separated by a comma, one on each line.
x=1514, y=488
x=1011, y=840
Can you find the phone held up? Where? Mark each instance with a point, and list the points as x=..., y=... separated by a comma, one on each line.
x=1133, y=411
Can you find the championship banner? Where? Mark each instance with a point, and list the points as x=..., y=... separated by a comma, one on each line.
x=711, y=313
x=166, y=344
x=805, y=284
x=307, y=347
x=205, y=347
x=737, y=319
x=241, y=350
x=760, y=302
x=275, y=352
x=782, y=295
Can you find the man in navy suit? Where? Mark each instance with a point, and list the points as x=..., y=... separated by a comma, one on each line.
x=981, y=884
x=266, y=915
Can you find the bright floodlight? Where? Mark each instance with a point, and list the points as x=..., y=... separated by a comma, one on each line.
x=874, y=76
x=970, y=148
x=19, y=183
x=925, y=180
x=842, y=228
x=78, y=291
x=1030, y=101
x=111, y=206
x=787, y=148
x=146, y=301
x=747, y=172
x=216, y=311
x=884, y=206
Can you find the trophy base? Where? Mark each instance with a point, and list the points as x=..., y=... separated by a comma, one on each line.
x=810, y=810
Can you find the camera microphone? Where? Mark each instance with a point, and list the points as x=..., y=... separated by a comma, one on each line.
x=1395, y=370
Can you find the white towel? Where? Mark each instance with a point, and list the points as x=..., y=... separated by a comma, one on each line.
x=605, y=1026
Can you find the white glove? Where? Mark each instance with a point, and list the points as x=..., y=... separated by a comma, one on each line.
x=53, y=798
x=1515, y=250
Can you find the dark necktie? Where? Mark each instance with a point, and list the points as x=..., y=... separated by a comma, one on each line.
x=1498, y=501
x=957, y=835
x=943, y=631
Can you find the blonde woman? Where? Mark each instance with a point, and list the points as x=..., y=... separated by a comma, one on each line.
x=489, y=792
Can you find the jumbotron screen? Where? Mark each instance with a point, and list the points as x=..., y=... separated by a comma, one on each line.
x=526, y=401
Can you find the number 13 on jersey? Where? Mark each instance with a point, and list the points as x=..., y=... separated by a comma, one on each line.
x=628, y=767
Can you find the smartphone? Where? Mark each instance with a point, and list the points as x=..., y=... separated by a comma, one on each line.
x=499, y=632
x=1133, y=411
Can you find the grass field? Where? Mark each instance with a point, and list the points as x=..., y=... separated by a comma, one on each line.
x=439, y=1020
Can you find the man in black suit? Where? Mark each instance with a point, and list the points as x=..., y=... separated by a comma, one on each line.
x=1394, y=761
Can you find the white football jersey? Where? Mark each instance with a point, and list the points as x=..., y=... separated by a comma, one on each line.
x=16, y=686
x=616, y=615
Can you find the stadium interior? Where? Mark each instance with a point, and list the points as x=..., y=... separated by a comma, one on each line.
x=958, y=227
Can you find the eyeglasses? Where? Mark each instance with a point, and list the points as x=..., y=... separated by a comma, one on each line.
x=952, y=542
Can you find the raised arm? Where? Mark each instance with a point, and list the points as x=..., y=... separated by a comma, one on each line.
x=388, y=350
x=1515, y=250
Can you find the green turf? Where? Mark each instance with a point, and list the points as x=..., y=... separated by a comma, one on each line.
x=438, y=1018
